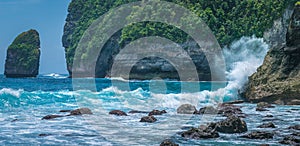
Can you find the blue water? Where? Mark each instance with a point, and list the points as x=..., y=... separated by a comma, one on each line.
x=23, y=102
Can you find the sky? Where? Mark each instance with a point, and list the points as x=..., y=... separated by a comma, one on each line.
x=45, y=16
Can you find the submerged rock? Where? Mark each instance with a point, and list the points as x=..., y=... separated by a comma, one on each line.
x=259, y=135
x=267, y=125
x=186, y=109
x=168, y=143
x=117, y=112
x=148, y=119
x=277, y=80
x=48, y=117
x=23, y=56
x=201, y=132
x=137, y=112
x=157, y=112
x=264, y=105
x=65, y=111
x=231, y=124
x=295, y=127
x=261, y=109
x=81, y=111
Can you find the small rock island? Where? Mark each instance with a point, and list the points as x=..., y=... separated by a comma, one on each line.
x=23, y=56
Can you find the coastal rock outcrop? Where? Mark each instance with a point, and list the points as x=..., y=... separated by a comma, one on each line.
x=23, y=56
x=277, y=80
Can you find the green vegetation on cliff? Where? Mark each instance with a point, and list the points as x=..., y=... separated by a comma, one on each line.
x=229, y=20
x=23, y=55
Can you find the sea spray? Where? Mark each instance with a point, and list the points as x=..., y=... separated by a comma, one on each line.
x=243, y=57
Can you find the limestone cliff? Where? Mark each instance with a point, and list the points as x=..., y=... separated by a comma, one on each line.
x=250, y=18
x=23, y=56
x=278, y=79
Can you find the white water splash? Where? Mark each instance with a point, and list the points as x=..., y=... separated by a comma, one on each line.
x=16, y=93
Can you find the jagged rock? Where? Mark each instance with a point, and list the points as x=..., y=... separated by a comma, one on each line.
x=277, y=80
x=81, y=111
x=23, y=56
x=201, y=132
x=148, y=119
x=43, y=135
x=231, y=124
x=267, y=125
x=259, y=135
x=186, y=109
x=168, y=143
x=290, y=140
x=48, y=117
x=117, y=113
x=157, y=112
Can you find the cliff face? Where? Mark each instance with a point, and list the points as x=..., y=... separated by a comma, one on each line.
x=278, y=79
x=23, y=56
x=251, y=18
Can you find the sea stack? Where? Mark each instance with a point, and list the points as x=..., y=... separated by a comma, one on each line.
x=278, y=79
x=23, y=56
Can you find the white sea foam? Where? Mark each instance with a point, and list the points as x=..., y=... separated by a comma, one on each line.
x=16, y=93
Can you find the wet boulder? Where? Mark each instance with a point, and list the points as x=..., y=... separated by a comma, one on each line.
x=148, y=119
x=117, y=113
x=229, y=110
x=49, y=117
x=203, y=132
x=157, y=112
x=81, y=111
x=208, y=110
x=258, y=135
x=168, y=143
x=186, y=109
x=231, y=124
x=261, y=109
x=267, y=125
x=290, y=140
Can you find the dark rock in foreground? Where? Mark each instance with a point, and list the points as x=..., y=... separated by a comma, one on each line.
x=259, y=135
x=148, y=119
x=117, y=112
x=267, y=125
x=23, y=56
x=157, y=112
x=48, y=117
x=202, y=132
x=168, y=143
x=232, y=124
x=81, y=111
x=290, y=140
x=186, y=109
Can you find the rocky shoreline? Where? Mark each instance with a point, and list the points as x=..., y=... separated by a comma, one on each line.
x=233, y=123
